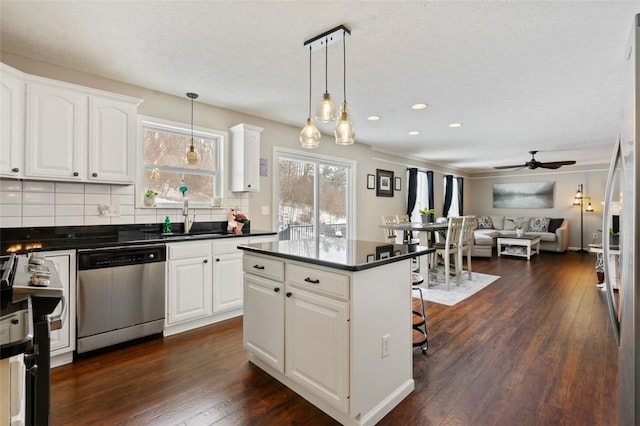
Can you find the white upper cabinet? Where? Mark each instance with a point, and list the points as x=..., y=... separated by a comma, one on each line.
x=245, y=158
x=12, y=94
x=75, y=133
x=112, y=125
x=56, y=132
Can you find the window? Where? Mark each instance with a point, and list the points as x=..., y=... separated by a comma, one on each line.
x=165, y=167
x=313, y=197
x=424, y=192
x=452, y=196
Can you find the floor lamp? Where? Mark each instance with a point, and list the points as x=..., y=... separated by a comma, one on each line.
x=578, y=200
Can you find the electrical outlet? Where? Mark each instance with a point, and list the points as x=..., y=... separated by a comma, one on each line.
x=386, y=345
x=595, y=235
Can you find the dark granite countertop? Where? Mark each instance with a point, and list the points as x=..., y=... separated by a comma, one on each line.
x=339, y=253
x=23, y=240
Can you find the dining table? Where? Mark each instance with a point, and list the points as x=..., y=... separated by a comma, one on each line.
x=427, y=232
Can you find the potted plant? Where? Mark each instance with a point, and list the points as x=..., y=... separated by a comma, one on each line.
x=150, y=198
x=518, y=224
x=424, y=213
x=240, y=220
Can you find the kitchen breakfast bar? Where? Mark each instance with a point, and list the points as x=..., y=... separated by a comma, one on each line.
x=331, y=319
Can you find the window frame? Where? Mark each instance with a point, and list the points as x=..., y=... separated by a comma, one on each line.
x=147, y=122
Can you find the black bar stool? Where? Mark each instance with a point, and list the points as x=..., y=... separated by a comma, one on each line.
x=419, y=318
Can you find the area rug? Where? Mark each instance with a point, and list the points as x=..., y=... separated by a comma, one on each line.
x=437, y=291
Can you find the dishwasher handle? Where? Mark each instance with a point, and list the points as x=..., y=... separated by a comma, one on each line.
x=56, y=321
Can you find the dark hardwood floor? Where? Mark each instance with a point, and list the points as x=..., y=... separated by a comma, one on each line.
x=533, y=348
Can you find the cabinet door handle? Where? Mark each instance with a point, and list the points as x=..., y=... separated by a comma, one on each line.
x=205, y=261
x=258, y=267
x=15, y=170
x=76, y=173
x=312, y=281
x=94, y=174
x=276, y=290
x=288, y=294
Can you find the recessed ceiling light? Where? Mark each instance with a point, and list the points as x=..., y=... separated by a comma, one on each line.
x=414, y=132
x=373, y=118
x=455, y=125
x=418, y=106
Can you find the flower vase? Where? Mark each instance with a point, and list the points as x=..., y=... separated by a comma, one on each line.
x=238, y=228
x=519, y=232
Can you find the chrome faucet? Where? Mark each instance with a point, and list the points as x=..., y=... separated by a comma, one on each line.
x=188, y=222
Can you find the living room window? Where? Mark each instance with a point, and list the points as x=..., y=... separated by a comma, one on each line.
x=165, y=170
x=452, y=196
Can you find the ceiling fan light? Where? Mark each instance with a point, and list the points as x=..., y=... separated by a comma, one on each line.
x=344, y=131
x=326, y=109
x=310, y=135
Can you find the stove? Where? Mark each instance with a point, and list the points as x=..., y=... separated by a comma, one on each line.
x=32, y=278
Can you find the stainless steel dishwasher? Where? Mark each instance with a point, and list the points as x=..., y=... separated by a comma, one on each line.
x=121, y=295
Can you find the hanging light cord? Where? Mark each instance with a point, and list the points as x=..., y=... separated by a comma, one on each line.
x=326, y=67
x=309, y=80
x=192, y=122
x=344, y=61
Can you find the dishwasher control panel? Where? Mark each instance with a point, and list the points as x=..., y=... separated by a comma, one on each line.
x=120, y=256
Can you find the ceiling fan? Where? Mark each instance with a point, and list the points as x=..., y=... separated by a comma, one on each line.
x=534, y=164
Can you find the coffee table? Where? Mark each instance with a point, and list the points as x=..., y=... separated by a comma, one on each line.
x=518, y=246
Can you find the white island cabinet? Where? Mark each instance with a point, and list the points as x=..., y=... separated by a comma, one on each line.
x=329, y=325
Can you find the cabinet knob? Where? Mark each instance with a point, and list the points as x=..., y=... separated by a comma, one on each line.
x=15, y=170
x=288, y=294
x=217, y=259
x=276, y=290
x=205, y=261
x=249, y=186
x=94, y=174
x=76, y=173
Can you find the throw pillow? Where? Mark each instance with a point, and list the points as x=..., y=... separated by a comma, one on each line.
x=539, y=224
x=485, y=222
x=555, y=224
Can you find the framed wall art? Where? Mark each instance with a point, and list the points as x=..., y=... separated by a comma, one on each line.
x=384, y=183
x=526, y=195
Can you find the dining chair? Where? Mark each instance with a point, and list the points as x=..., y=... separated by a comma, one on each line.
x=466, y=242
x=449, y=248
x=389, y=234
x=408, y=237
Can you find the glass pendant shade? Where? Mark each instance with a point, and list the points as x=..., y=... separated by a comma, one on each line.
x=310, y=135
x=589, y=208
x=344, y=127
x=192, y=155
x=326, y=110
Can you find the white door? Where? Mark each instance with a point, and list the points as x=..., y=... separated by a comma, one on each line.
x=317, y=342
x=56, y=132
x=263, y=331
x=189, y=289
x=12, y=96
x=227, y=281
x=112, y=131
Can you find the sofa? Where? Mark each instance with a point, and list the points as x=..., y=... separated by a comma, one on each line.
x=554, y=233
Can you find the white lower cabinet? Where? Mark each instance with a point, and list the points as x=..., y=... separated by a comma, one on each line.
x=227, y=282
x=63, y=340
x=12, y=391
x=189, y=282
x=315, y=327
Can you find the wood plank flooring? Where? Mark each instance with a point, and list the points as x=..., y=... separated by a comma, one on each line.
x=533, y=348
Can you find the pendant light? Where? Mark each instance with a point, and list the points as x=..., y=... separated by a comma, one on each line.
x=192, y=155
x=344, y=131
x=326, y=110
x=310, y=135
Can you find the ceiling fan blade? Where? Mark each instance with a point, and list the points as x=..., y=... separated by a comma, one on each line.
x=555, y=164
x=510, y=167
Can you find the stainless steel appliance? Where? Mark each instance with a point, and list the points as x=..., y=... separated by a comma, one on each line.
x=622, y=199
x=121, y=295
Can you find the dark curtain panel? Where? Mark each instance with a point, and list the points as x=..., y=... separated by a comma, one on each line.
x=412, y=190
x=431, y=202
x=460, y=192
x=448, y=194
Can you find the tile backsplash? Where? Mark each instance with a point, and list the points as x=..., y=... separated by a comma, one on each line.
x=39, y=203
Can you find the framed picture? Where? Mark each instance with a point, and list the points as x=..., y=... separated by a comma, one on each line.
x=384, y=180
x=398, y=184
x=370, y=257
x=371, y=182
x=384, y=252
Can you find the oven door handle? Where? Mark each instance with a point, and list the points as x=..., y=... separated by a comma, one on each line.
x=55, y=321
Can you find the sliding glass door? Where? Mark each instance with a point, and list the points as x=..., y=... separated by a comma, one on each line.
x=313, y=197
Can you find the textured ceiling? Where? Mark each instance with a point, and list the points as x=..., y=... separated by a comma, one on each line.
x=520, y=75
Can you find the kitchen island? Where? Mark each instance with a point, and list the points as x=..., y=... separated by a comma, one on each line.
x=331, y=319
